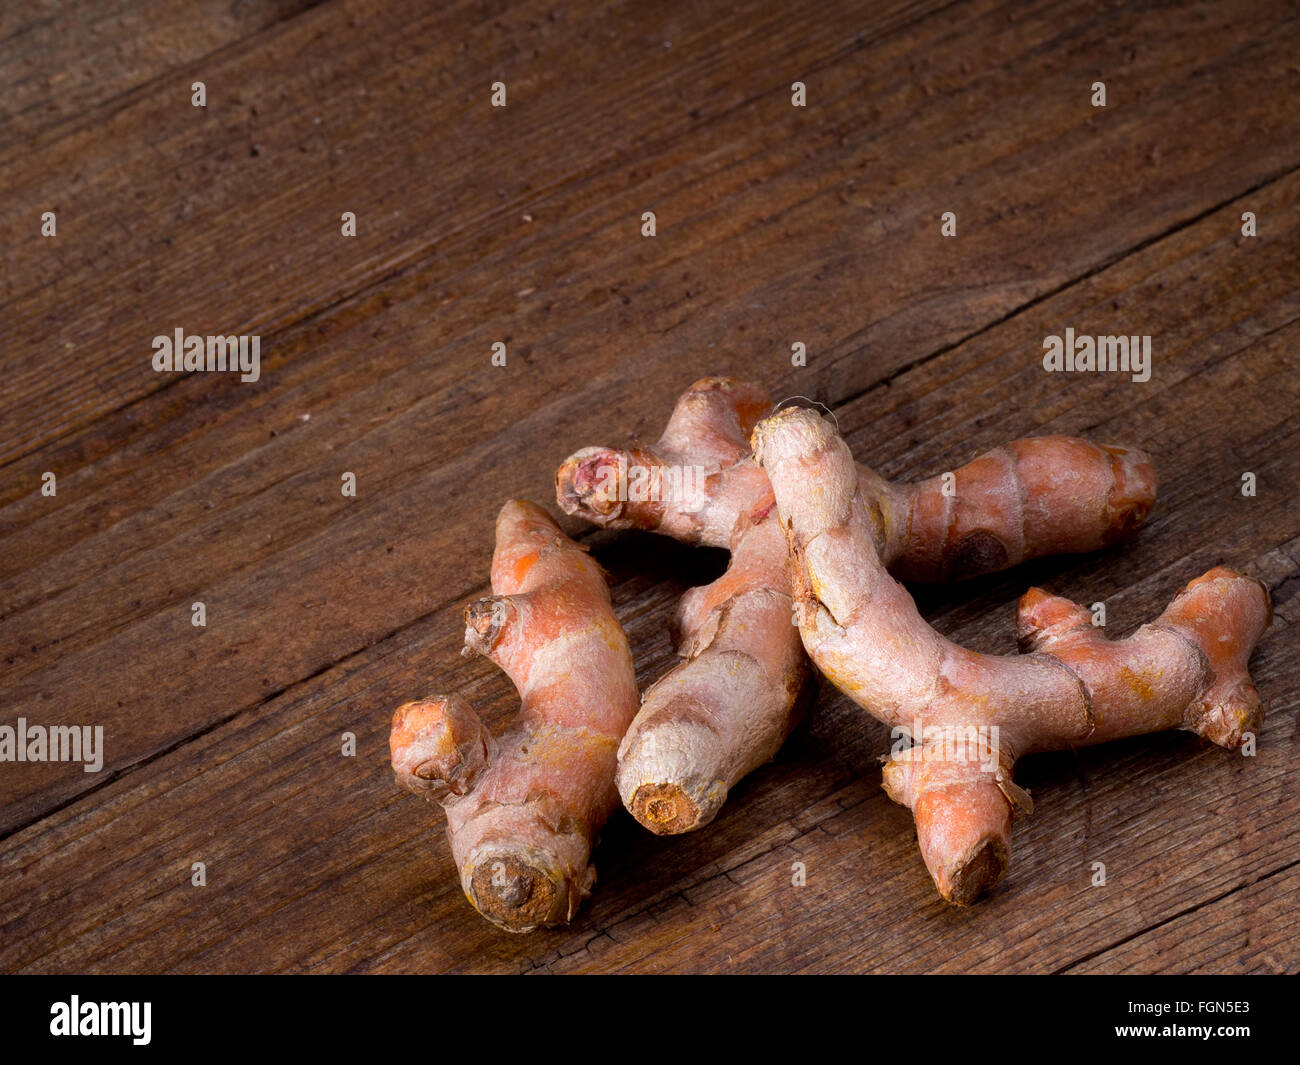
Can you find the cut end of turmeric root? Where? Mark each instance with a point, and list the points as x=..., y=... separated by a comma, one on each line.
x=668, y=809
x=516, y=893
x=977, y=874
x=582, y=485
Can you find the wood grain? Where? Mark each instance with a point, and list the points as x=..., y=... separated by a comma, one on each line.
x=775, y=224
x=64, y=60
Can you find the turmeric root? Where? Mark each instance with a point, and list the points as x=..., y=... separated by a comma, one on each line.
x=971, y=716
x=727, y=709
x=523, y=810
x=1038, y=496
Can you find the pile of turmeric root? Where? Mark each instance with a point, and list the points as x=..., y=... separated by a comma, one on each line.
x=818, y=546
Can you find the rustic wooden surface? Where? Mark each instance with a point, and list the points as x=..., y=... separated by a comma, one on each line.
x=522, y=224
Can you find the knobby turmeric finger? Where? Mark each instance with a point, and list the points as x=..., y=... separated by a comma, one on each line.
x=971, y=716
x=523, y=810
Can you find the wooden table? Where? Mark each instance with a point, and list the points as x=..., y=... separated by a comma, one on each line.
x=522, y=224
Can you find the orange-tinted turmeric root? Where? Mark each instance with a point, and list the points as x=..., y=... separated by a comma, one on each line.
x=970, y=716
x=523, y=810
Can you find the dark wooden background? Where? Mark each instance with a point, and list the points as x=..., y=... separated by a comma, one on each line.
x=522, y=224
